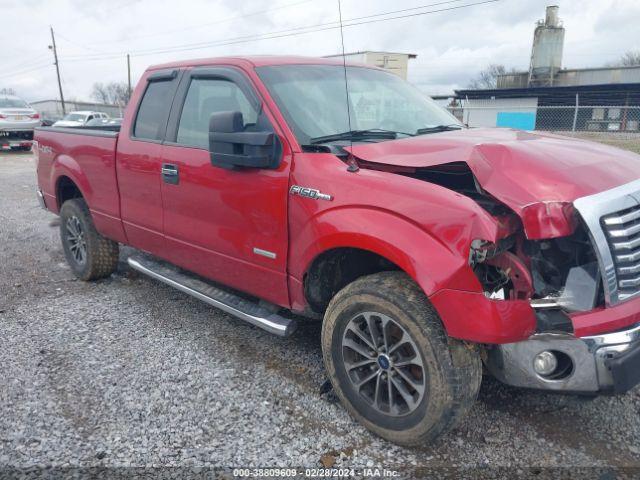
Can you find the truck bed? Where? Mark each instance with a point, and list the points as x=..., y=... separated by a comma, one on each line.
x=87, y=157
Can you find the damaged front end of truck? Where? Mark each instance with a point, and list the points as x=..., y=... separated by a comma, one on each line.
x=564, y=270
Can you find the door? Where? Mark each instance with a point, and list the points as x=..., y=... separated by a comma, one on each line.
x=139, y=161
x=227, y=225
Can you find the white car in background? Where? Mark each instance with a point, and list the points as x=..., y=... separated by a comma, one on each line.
x=79, y=118
x=17, y=121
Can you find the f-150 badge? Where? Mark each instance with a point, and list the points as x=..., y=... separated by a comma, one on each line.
x=309, y=193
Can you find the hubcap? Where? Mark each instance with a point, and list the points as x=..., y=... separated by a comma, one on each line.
x=76, y=240
x=383, y=363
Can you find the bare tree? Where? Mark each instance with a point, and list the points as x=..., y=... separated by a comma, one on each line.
x=7, y=91
x=114, y=93
x=488, y=77
x=629, y=59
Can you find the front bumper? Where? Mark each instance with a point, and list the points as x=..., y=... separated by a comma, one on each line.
x=20, y=138
x=606, y=363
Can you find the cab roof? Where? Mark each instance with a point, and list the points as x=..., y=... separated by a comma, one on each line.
x=256, y=61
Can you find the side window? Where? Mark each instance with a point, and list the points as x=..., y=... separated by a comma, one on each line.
x=153, y=110
x=207, y=96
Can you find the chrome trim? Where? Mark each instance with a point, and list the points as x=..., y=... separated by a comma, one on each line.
x=307, y=192
x=274, y=323
x=616, y=338
x=169, y=172
x=512, y=363
x=265, y=253
x=546, y=302
x=592, y=208
x=41, y=201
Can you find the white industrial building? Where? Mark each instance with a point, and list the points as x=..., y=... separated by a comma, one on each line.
x=397, y=63
x=52, y=109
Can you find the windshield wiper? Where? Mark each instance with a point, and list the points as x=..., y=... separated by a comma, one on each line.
x=438, y=128
x=358, y=134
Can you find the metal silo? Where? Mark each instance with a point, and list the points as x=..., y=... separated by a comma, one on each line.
x=546, y=54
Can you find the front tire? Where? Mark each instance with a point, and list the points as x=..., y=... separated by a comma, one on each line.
x=90, y=255
x=391, y=363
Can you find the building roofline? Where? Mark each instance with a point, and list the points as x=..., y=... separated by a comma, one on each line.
x=86, y=102
x=410, y=55
x=588, y=69
x=538, y=91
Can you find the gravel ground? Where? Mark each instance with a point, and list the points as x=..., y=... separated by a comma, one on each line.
x=128, y=372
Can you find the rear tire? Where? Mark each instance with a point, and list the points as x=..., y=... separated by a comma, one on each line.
x=90, y=255
x=423, y=383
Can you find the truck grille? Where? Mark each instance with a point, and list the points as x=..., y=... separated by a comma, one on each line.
x=623, y=235
x=613, y=220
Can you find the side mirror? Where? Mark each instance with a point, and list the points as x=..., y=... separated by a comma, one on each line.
x=231, y=146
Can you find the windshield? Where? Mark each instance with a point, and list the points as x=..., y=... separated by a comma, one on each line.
x=313, y=100
x=6, y=102
x=75, y=117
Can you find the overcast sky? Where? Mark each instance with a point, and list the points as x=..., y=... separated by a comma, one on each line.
x=452, y=46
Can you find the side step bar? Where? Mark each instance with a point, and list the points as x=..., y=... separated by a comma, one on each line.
x=232, y=304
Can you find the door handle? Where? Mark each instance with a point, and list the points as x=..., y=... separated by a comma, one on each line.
x=170, y=173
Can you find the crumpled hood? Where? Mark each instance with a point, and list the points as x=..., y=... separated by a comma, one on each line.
x=537, y=175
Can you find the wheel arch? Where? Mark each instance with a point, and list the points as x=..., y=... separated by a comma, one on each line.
x=69, y=180
x=384, y=240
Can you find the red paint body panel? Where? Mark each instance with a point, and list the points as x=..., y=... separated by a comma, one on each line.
x=429, y=240
x=604, y=320
x=483, y=320
x=213, y=219
x=91, y=166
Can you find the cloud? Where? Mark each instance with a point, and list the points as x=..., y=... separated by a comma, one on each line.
x=452, y=46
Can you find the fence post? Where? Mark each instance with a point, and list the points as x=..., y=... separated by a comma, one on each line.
x=466, y=107
x=575, y=114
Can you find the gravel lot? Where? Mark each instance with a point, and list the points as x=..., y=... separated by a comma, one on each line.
x=126, y=371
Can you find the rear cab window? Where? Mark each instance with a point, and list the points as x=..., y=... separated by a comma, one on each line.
x=151, y=118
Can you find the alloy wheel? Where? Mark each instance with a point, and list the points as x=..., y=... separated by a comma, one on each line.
x=383, y=364
x=76, y=240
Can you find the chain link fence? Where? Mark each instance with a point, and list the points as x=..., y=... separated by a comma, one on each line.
x=576, y=118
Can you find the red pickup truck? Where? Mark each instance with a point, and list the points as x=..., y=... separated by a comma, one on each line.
x=427, y=249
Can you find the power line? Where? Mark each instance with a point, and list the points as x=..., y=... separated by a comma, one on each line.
x=22, y=72
x=202, y=25
x=289, y=32
x=84, y=47
x=260, y=35
x=357, y=21
x=29, y=63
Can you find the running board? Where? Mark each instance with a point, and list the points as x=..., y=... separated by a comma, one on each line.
x=235, y=305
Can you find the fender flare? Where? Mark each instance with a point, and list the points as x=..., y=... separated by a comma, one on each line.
x=431, y=263
x=67, y=166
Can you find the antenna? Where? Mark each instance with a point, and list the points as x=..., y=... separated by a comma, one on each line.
x=351, y=161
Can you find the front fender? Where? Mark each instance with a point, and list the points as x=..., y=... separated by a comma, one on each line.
x=438, y=267
x=432, y=263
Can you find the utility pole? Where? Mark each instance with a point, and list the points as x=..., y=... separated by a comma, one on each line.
x=129, y=76
x=55, y=57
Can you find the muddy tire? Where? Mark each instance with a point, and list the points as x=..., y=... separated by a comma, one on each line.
x=90, y=255
x=391, y=363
